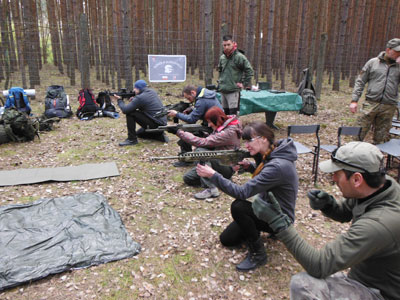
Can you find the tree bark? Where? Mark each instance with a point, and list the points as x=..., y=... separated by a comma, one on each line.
x=269, y=40
x=339, y=52
x=208, y=29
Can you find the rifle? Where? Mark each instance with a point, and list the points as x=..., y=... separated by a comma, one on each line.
x=226, y=157
x=180, y=107
x=184, y=127
x=123, y=93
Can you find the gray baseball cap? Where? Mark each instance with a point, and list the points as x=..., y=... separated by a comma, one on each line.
x=355, y=156
x=394, y=44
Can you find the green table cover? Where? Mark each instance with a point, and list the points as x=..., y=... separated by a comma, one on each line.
x=264, y=101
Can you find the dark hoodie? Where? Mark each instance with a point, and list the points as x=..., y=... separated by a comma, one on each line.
x=278, y=175
x=205, y=99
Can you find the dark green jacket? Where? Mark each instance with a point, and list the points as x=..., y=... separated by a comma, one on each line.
x=232, y=70
x=370, y=247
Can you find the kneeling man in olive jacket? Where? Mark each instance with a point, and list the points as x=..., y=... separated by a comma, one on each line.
x=370, y=247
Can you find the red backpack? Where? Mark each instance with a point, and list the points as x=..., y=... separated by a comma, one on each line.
x=87, y=104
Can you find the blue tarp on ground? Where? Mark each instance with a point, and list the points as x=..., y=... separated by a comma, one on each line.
x=52, y=235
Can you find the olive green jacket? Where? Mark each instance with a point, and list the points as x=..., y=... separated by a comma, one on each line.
x=383, y=81
x=232, y=70
x=370, y=247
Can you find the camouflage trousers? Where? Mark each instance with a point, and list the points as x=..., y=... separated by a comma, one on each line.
x=379, y=116
x=336, y=286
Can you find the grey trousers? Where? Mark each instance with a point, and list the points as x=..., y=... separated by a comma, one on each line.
x=191, y=178
x=335, y=287
x=230, y=101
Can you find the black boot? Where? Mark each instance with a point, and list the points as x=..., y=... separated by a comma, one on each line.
x=256, y=257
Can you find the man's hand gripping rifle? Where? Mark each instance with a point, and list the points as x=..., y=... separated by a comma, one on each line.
x=226, y=157
x=184, y=127
x=179, y=107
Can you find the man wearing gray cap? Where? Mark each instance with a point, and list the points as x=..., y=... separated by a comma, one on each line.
x=382, y=74
x=371, y=245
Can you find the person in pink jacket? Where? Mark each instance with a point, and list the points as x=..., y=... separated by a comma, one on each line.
x=227, y=131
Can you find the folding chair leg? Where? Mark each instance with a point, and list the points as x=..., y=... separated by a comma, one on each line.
x=315, y=165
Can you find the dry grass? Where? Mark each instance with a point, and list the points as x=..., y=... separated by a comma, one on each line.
x=182, y=257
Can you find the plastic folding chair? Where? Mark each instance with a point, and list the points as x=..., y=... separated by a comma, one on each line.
x=302, y=149
x=392, y=149
x=343, y=130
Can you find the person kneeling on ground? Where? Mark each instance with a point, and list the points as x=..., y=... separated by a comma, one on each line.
x=370, y=247
x=141, y=109
x=203, y=100
x=276, y=172
x=225, y=136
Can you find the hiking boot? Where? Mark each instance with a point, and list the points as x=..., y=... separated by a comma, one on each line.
x=128, y=142
x=180, y=164
x=256, y=257
x=207, y=193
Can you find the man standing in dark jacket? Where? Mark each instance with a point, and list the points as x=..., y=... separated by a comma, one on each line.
x=203, y=100
x=235, y=73
x=141, y=109
x=371, y=245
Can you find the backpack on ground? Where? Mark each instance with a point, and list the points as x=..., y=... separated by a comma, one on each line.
x=104, y=101
x=87, y=104
x=18, y=126
x=307, y=92
x=309, y=102
x=18, y=98
x=56, y=103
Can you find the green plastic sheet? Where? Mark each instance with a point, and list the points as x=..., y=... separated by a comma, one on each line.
x=52, y=235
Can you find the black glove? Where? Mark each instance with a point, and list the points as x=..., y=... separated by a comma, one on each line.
x=271, y=213
x=320, y=199
x=174, y=129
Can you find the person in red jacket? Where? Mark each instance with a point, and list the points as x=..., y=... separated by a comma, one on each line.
x=226, y=135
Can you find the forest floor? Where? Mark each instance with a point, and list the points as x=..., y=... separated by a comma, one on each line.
x=181, y=255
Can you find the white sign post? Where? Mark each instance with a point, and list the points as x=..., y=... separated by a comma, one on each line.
x=167, y=68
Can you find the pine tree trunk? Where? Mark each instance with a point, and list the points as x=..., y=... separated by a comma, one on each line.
x=285, y=27
x=208, y=31
x=339, y=52
x=269, y=40
x=19, y=36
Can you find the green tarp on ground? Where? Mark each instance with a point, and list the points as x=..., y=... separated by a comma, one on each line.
x=82, y=172
x=52, y=235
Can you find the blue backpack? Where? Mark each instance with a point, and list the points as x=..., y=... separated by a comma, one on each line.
x=17, y=98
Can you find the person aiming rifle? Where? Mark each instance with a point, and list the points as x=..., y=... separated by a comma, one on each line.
x=203, y=100
x=225, y=136
x=275, y=171
x=141, y=109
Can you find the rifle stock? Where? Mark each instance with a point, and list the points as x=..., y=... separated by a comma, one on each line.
x=226, y=157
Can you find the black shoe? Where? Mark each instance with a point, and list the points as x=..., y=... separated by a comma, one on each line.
x=256, y=257
x=180, y=164
x=162, y=138
x=140, y=132
x=128, y=142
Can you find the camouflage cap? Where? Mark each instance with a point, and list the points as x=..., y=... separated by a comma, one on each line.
x=394, y=44
x=355, y=156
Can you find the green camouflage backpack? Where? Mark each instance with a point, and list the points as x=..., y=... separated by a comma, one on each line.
x=18, y=126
